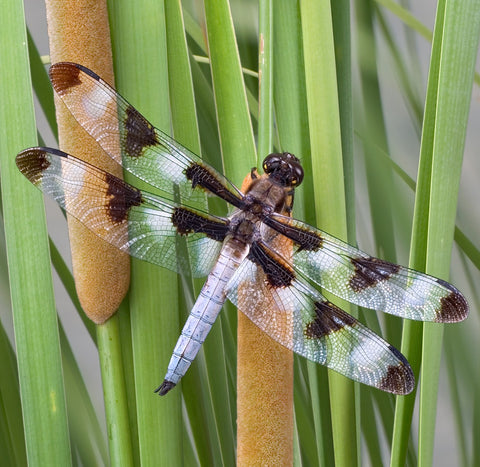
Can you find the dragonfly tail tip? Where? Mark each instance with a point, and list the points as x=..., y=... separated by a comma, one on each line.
x=165, y=387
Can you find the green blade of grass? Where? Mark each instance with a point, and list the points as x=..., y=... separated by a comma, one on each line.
x=442, y=82
x=265, y=85
x=210, y=420
x=409, y=76
x=86, y=435
x=207, y=120
x=11, y=423
x=235, y=128
x=68, y=282
x=372, y=440
x=291, y=114
x=412, y=331
x=306, y=421
x=35, y=319
x=465, y=244
x=406, y=17
x=109, y=349
x=138, y=34
x=381, y=199
x=455, y=377
x=327, y=170
x=413, y=23
x=343, y=61
x=458, y=40
x=41, y=85
x=379, y=175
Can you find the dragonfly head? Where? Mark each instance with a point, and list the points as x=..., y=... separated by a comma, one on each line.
x=285, y=168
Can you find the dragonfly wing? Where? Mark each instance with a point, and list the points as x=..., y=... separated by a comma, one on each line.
x=129, y=139
x=370, y=282
x=300, y=318
x=135, y=221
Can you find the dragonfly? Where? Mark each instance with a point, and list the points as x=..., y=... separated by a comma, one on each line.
x=270, y=265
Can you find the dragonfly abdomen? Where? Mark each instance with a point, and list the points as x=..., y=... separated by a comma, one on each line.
x=203, y=314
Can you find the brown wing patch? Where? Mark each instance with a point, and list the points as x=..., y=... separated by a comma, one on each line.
x=370, y=271
x=139, y=133
x=64, y=76
x=32, y=163
x=303, y=237
x=201, y=176
x=121, y=198
x=188, y=221
x=399, y=378
x=453, y=307
x=329, y=318
x=277, y=271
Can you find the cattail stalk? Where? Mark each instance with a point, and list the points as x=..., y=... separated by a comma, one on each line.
x=264, y=392
x=79, y=32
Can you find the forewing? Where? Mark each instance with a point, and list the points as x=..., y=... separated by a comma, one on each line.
x=129, y=139
x=135, y=221
x=367, y=281
x=301, y=319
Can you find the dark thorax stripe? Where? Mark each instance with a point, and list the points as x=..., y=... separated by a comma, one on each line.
x=188, y=221
x=277, y=272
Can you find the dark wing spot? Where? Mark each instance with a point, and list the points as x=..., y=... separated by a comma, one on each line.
x=165, y=387
x=32, y=162
x=306, y=239
x=122, y=197
x=201, y=176
x=139, y=133
x=64, y=76
x=329, y=318
x=187, y=221
x=453, y=307
x=371, y=271
x=399, y=378
x=278, y=274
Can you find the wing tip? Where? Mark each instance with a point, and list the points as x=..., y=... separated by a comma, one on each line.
x=399, y=379
x=65, y=75
x=32, y=162
x=453, y=307
x=165, y=387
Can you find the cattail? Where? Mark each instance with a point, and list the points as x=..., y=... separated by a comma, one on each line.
x=264, y=389
x=102, y=273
